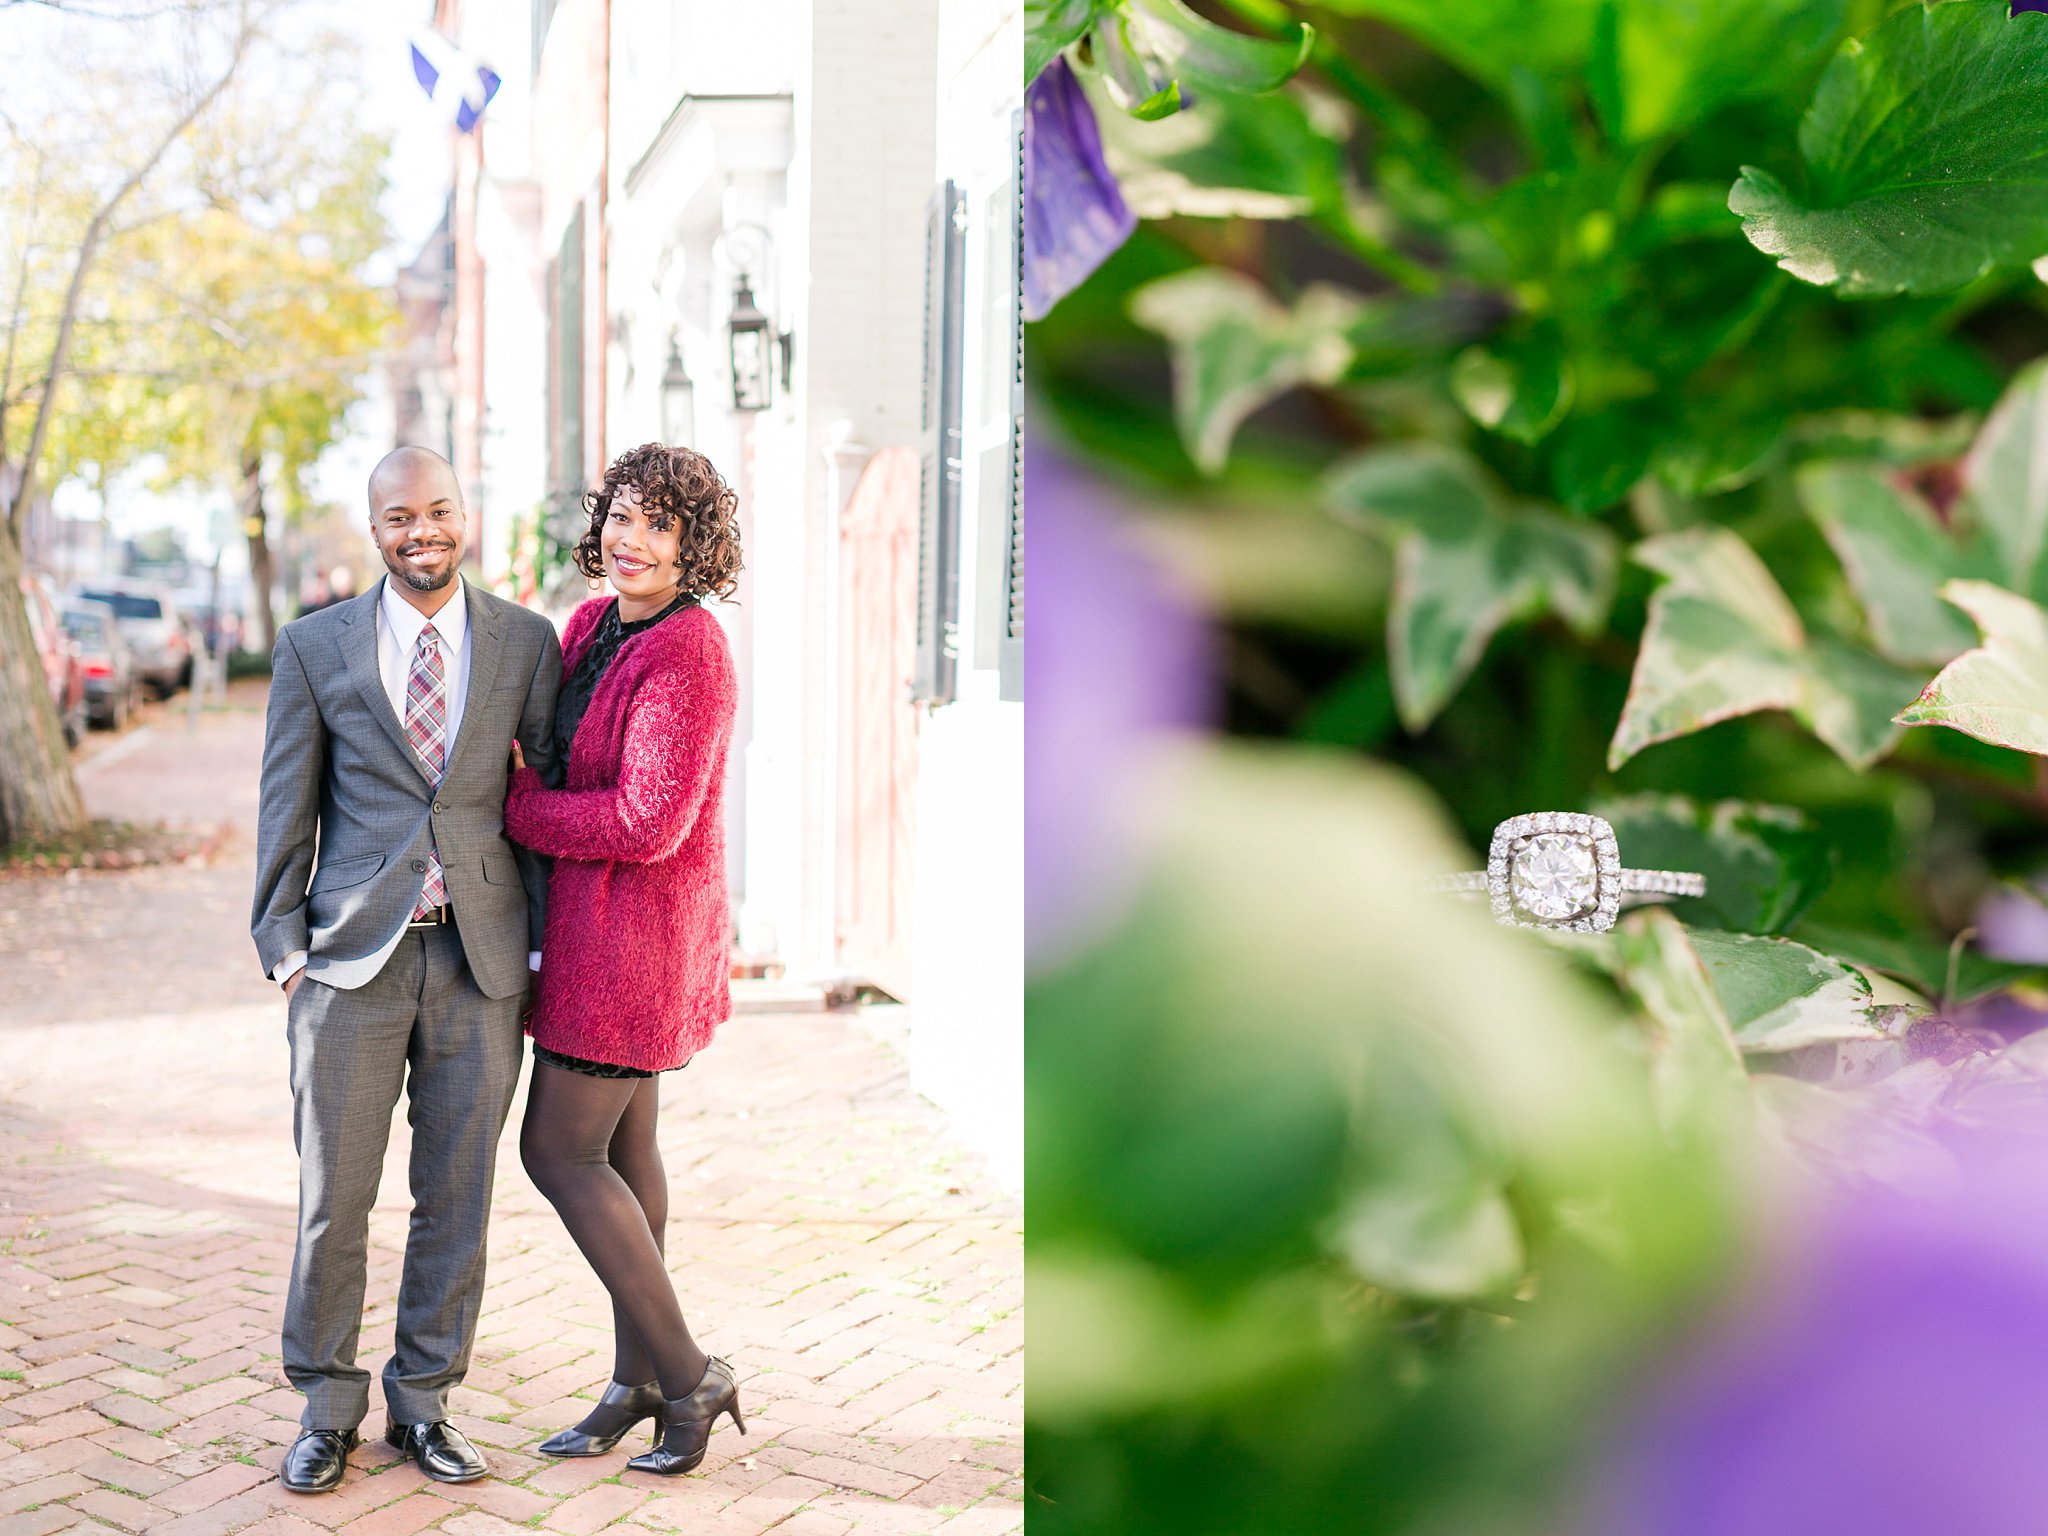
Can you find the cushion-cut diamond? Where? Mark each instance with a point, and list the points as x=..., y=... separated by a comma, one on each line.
x=1555, y=876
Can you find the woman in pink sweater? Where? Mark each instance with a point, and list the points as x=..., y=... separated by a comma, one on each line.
x=636, y=960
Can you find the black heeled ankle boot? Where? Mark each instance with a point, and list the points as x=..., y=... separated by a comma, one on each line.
x=686, y=1422
x=617, y=1411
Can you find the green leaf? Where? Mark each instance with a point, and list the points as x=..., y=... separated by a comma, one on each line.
x=1998, y=692
x=1600, y=458
x=1465, y=564
x=1148, y=48
x=1779, y=996
x=1049, y=27
x=1903, y=441
x=1926, y=156
x=2005, y=476
x=1765, y=864
x=1697, y=1070
x=1193, y=48
x=1520, y=388
x=1228, y=156
x=1446, y=1243
x=1678, y=61
x=1921, y=962
x=1491, y=40
x=1851, y=697
x=1234, y=349
x=1722, y=640
x=1895, y=554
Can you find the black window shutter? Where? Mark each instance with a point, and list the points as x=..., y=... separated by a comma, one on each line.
x=938, y=524
x=1011, y=652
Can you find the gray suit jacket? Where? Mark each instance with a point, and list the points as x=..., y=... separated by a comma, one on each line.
x=337, y=768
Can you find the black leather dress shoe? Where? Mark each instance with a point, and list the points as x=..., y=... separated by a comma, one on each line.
x=440, y=1450
x=317, y=1459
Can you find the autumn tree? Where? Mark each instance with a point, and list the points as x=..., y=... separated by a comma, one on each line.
x=181, y=253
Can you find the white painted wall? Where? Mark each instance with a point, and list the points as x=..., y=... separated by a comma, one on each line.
x=967, y=1022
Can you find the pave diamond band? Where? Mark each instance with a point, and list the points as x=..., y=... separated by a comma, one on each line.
x=1562, y=869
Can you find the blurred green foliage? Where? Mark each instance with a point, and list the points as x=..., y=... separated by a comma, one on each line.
x=1582, y=404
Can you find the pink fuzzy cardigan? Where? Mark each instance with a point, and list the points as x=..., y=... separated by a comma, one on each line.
x=636, y=964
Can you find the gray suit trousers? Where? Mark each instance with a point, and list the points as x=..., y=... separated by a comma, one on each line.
x=421, y=1024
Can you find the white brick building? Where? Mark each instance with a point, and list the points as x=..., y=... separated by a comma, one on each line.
x=646, y=157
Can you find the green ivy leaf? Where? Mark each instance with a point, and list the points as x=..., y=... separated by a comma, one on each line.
x=1235, y=349
x=1465, y=564
x=1780, y=996
x=1722, y=640
x=1049, y=27
x=1926, y=156
x=1851, y=697
x=1895, y=554
x=1697, y=1074
x=1923, y=963
x=1520, y=388
x=2005, y=477
x=1443, y=1243
x=1898, y=553
x=1765, y=864
x=1229, y=155
x=1675, y=62
x=1998, y=692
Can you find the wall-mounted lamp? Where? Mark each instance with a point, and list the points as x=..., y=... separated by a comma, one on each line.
x=678, y=400
x=755, y=343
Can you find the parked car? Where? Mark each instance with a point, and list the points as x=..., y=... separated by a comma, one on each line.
x=155, y=631
x=62, y=668
x=109, y=663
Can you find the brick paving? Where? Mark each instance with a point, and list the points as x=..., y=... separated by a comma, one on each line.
x=828, y=1235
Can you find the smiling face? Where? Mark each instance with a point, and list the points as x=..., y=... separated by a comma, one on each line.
x=416, y=517
x=639, y=558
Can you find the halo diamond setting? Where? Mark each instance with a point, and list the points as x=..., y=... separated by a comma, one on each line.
x=1555, y=869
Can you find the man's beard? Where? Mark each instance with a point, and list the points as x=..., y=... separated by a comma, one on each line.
x=419, y=581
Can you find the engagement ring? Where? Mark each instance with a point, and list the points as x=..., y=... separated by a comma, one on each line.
x=1557, y=869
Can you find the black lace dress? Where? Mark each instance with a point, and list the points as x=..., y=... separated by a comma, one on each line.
x=570, y=705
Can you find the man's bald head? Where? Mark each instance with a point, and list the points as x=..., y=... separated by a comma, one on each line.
x=406, y=462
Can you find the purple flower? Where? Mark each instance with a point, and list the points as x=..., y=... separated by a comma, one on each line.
x=1118, y=662
x=1892, y=1380
x=2012, y=923
x=1074, y=215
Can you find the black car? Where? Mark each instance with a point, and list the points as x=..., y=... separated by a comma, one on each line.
x=109, y=663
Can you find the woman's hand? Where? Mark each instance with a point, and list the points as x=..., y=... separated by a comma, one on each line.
x=518, y=758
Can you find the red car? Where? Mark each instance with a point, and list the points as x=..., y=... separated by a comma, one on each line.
x=59, y=653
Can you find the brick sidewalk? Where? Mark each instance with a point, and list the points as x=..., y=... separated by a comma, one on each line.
x=827, y=1234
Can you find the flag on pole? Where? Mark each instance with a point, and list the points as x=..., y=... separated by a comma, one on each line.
x=460, y=84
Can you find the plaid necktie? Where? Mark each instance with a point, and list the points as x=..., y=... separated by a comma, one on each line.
x=426, y=727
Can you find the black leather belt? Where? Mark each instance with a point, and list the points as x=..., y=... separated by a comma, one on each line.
x=440, y=917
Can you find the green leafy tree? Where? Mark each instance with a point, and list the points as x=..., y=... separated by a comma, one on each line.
x=64, y=211
x=202, y=307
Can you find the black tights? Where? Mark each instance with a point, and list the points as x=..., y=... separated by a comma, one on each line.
x=588, y=1145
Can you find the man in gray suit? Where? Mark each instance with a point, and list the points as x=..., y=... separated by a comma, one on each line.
x=403, y=927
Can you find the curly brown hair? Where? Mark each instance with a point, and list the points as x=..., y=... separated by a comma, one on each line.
x=674, y=485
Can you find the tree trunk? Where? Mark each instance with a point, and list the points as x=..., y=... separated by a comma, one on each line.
x=253, y=523
x=39, y=798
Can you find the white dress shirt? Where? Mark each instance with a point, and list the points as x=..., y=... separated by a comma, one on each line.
x=398, y=633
